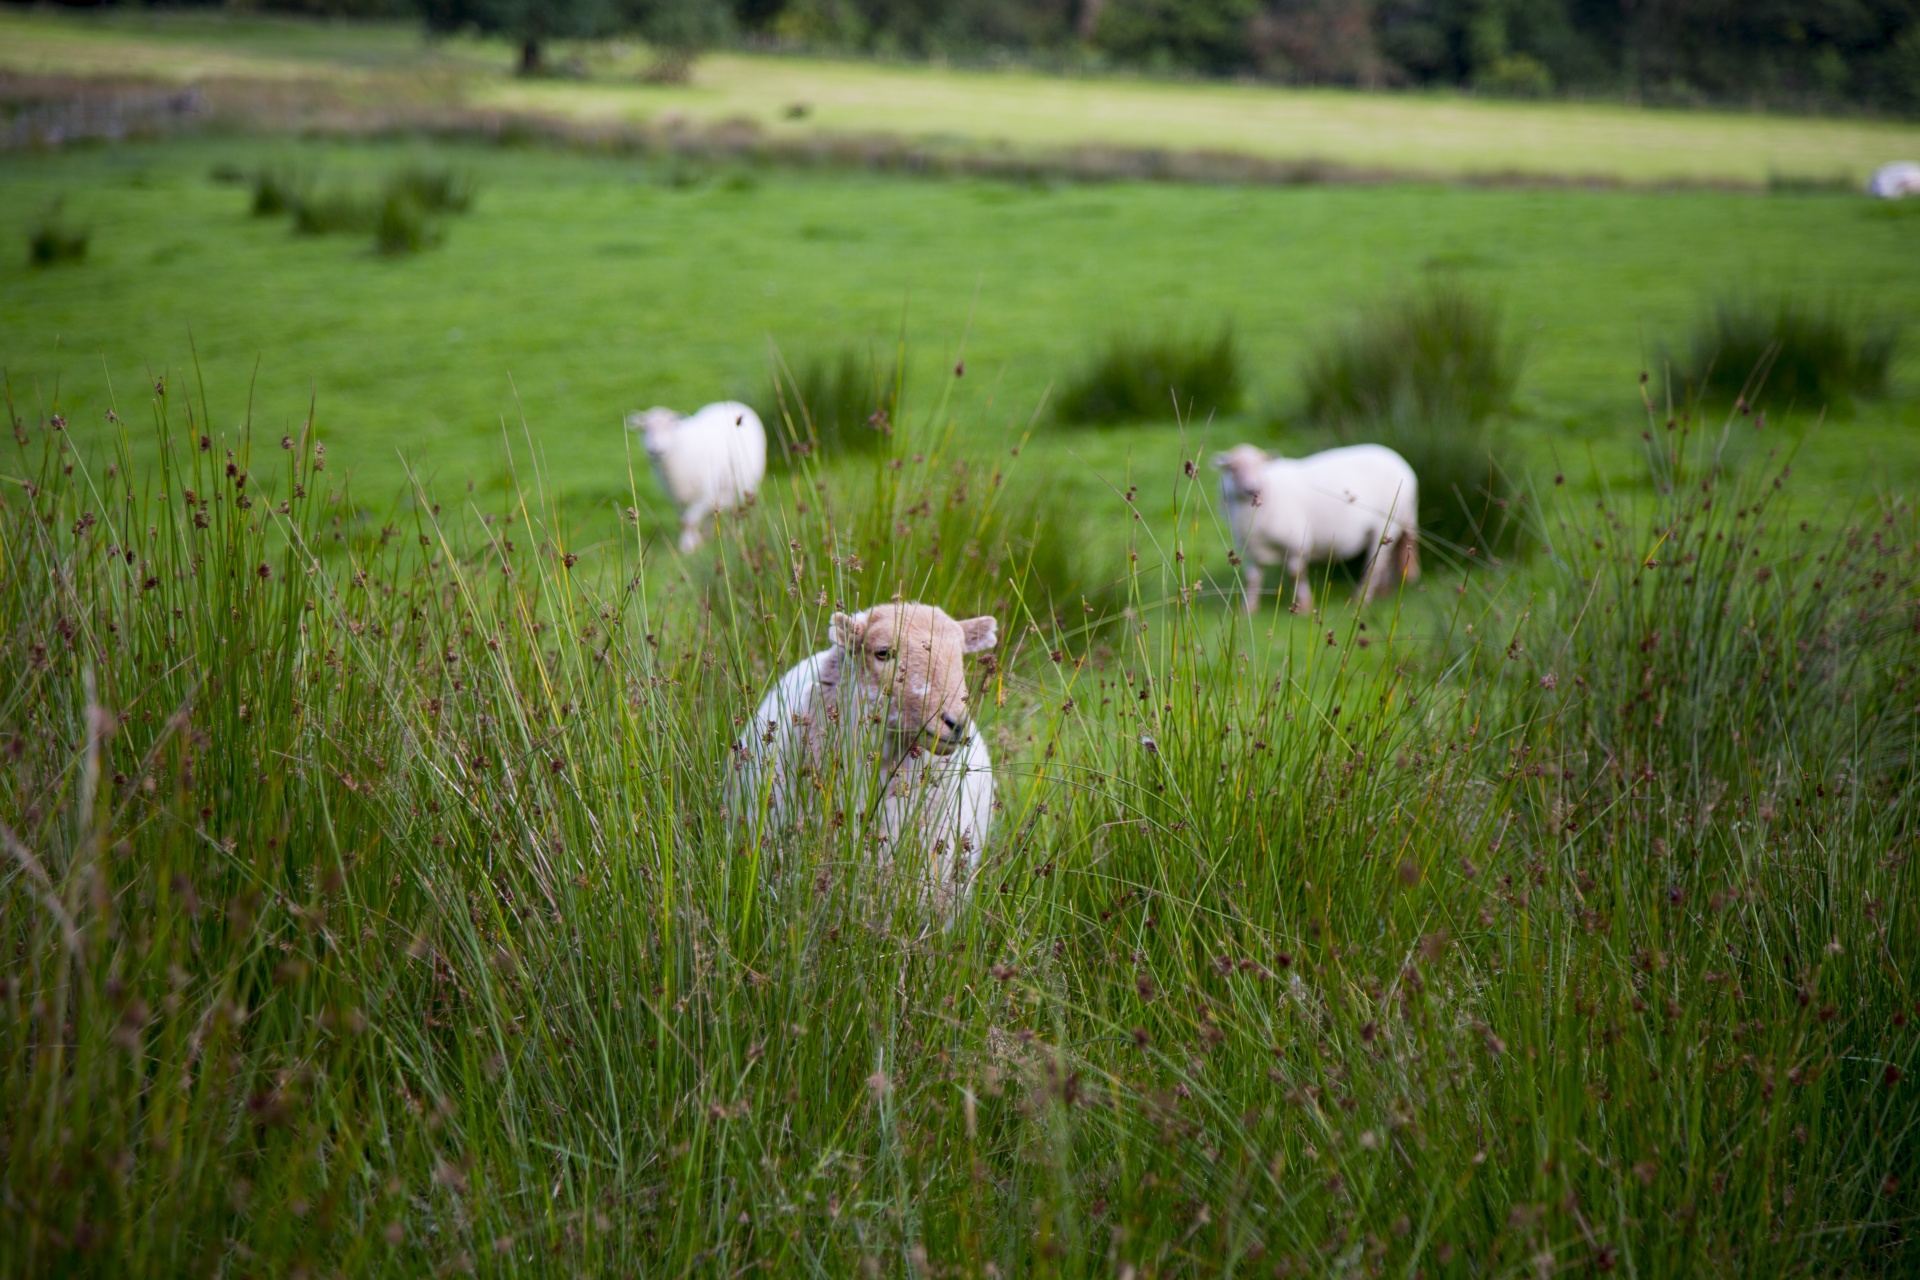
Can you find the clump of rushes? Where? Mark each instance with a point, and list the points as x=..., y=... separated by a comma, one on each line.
x=437, y=189
x=1787, y=352
x=404, y=216
x=369, y=906
x=830, y=404
x=52, y=240
x=1426, y=372
x=1433, y=353
x=403, y=225
x=335, y=211
x=278, y=190
x=1164, y=375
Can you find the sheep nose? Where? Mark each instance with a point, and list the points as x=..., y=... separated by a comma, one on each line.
x=953, y=722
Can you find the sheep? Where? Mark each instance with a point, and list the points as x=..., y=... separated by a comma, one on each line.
x=1328, y=506
x=886, y=704
x=1892, y=181
x=713, y=460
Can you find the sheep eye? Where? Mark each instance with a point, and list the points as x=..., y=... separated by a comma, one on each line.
x=881, y=655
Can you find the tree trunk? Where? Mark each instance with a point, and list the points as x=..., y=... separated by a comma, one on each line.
x=531, y=61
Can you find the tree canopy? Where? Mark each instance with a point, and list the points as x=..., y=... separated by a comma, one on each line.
x=529, y=23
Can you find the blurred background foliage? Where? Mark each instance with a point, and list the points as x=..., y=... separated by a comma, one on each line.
x=1800, y=53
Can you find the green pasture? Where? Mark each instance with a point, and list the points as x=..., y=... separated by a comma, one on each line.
x=395, y=65
x=369, y=902
x=584, y=287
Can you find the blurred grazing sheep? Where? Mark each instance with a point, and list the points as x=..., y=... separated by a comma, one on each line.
x=1328, y=506
x=713, y=460
x=1892, y=181
x=883, y=713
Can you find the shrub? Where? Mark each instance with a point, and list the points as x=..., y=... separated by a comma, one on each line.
x=1435, y=352
x=846, y=402
x=1143, y=377
x=53, y=240
x=1787, y=352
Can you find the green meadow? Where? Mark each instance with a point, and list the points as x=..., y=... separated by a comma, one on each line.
x=370, y=904
x=581, y=288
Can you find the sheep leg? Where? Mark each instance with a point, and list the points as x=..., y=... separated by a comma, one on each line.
x=1302, y=593
x=1399, y=563
x=1253, y=588
x=691, y=521
x=1379, y=571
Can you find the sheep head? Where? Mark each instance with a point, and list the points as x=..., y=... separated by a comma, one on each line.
x=656, y=427
x=908, y=656
x=1240, y=469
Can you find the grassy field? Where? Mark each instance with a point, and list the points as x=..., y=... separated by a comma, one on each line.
x=368, y=905
x=1441, y=136
x=582, y=288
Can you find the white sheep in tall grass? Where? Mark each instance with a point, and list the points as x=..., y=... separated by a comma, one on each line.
x=1327, y=506
x=712, y=460
x=877, y=723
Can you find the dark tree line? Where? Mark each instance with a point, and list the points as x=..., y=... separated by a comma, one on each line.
x=1800, y=52
x=678, y=26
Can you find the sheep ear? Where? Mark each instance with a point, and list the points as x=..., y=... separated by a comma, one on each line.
x=845, y=631
x=636, y=422
x=979, y=633
x=1221, y=461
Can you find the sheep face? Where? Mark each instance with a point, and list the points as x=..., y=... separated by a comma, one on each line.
x=908, y=658
x=1240, y=469
x=656, y=427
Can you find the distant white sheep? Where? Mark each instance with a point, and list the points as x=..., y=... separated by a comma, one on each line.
x=713, y=460
x=1327, y=506
x=1892, y=181
x=878, y=723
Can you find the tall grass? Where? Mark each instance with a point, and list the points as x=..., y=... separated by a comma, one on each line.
x=1787, y=352
x=1136, y=377
x=368, y=907
x=846, y=401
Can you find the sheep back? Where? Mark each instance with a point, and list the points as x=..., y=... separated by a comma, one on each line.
x=716, y=457
x=1334, y=504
